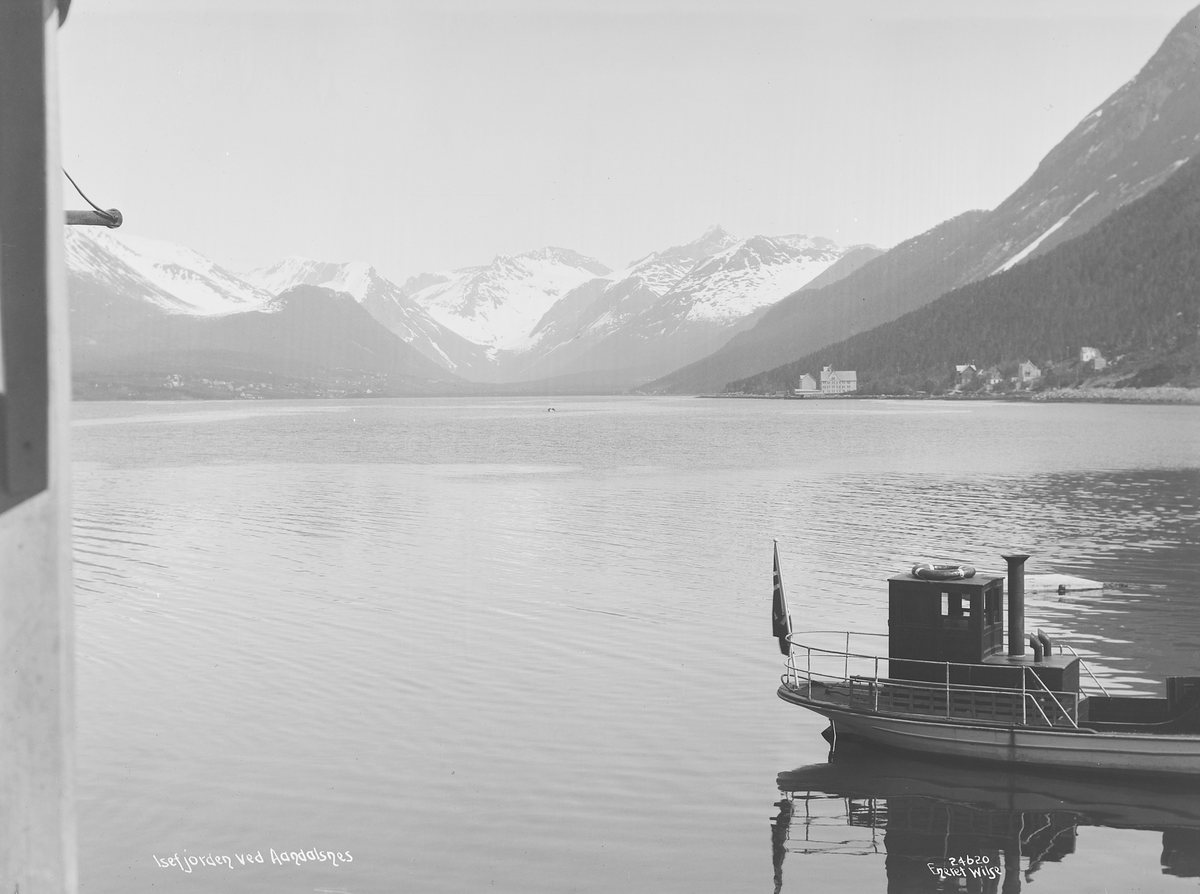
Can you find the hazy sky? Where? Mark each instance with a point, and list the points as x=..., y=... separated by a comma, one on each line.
x=431, y=135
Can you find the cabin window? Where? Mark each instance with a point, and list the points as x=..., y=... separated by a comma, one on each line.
x=992, y=607
x=956, y=612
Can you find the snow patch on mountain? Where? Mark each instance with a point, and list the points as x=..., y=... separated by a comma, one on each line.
x=669, y=307
x=384, y=300
x=498, y=305
x=1032, y=246
x=291, y=271
x=754, y=273
x=357, y=278
x=661, y=271
x=720, y=278
x=735, y=294
x=177, y=279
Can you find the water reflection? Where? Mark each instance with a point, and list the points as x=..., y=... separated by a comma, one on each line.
x=965, y=828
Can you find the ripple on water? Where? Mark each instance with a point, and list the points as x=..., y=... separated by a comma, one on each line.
x=477, y=642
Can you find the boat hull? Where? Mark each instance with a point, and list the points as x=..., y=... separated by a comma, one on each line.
x=1068, y=749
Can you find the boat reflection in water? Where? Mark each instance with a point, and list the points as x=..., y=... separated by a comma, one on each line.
x=945, y=827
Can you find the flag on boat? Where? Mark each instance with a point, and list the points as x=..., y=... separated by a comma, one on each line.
x=781, y=621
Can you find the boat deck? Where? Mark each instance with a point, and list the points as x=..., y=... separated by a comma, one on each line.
x=842, y=678
x=977, y=704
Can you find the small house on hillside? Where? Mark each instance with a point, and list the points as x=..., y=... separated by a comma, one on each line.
x=1028, y=372
x=991, y=376
x=964, y=374
x=807, y=385
x=838, y=381
x=1093, y=356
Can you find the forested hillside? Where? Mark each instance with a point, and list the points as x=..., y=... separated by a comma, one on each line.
x=1131, y=285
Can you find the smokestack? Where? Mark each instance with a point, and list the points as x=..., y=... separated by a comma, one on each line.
x=1016, y=603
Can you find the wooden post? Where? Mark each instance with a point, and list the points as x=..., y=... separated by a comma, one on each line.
x=37, y=811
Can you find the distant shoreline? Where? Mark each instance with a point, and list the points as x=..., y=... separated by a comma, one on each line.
x=1158, y=395
x=1176, y=396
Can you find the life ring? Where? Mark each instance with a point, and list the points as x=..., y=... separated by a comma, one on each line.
x=925, y=571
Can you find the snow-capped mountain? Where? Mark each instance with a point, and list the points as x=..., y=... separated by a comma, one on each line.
x=498, y=305
x=747, y=275
x=549, y=313
x=607, y=303
x=659, y=272
x=670, y=307
x=461, y=319
x=145, y=314
x=167, y=276
x=294, y=271
x=385, y=301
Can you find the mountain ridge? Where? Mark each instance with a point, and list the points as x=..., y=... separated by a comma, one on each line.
x=670, y=306
x=1127, y=286
x=711, y=286
x=303, y=330
x=1131, y=143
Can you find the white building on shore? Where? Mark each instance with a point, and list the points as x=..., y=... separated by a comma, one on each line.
x=807, y=384
x=838, y=381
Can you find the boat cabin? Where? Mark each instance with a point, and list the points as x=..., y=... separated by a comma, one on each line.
x=932, y=622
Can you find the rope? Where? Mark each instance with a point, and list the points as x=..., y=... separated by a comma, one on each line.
x=110, y=218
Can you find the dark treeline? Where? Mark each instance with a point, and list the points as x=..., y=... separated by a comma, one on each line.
x=1129, y=285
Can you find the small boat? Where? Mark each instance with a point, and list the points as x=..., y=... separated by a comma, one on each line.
x=948, y=685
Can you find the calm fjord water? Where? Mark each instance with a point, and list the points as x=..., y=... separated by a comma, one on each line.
x=477, y=645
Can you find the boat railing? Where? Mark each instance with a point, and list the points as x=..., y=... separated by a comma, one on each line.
x=856, y=679
x=1053, y=697
x=1083, y=664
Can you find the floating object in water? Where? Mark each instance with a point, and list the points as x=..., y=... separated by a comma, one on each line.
x=1060, y=584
